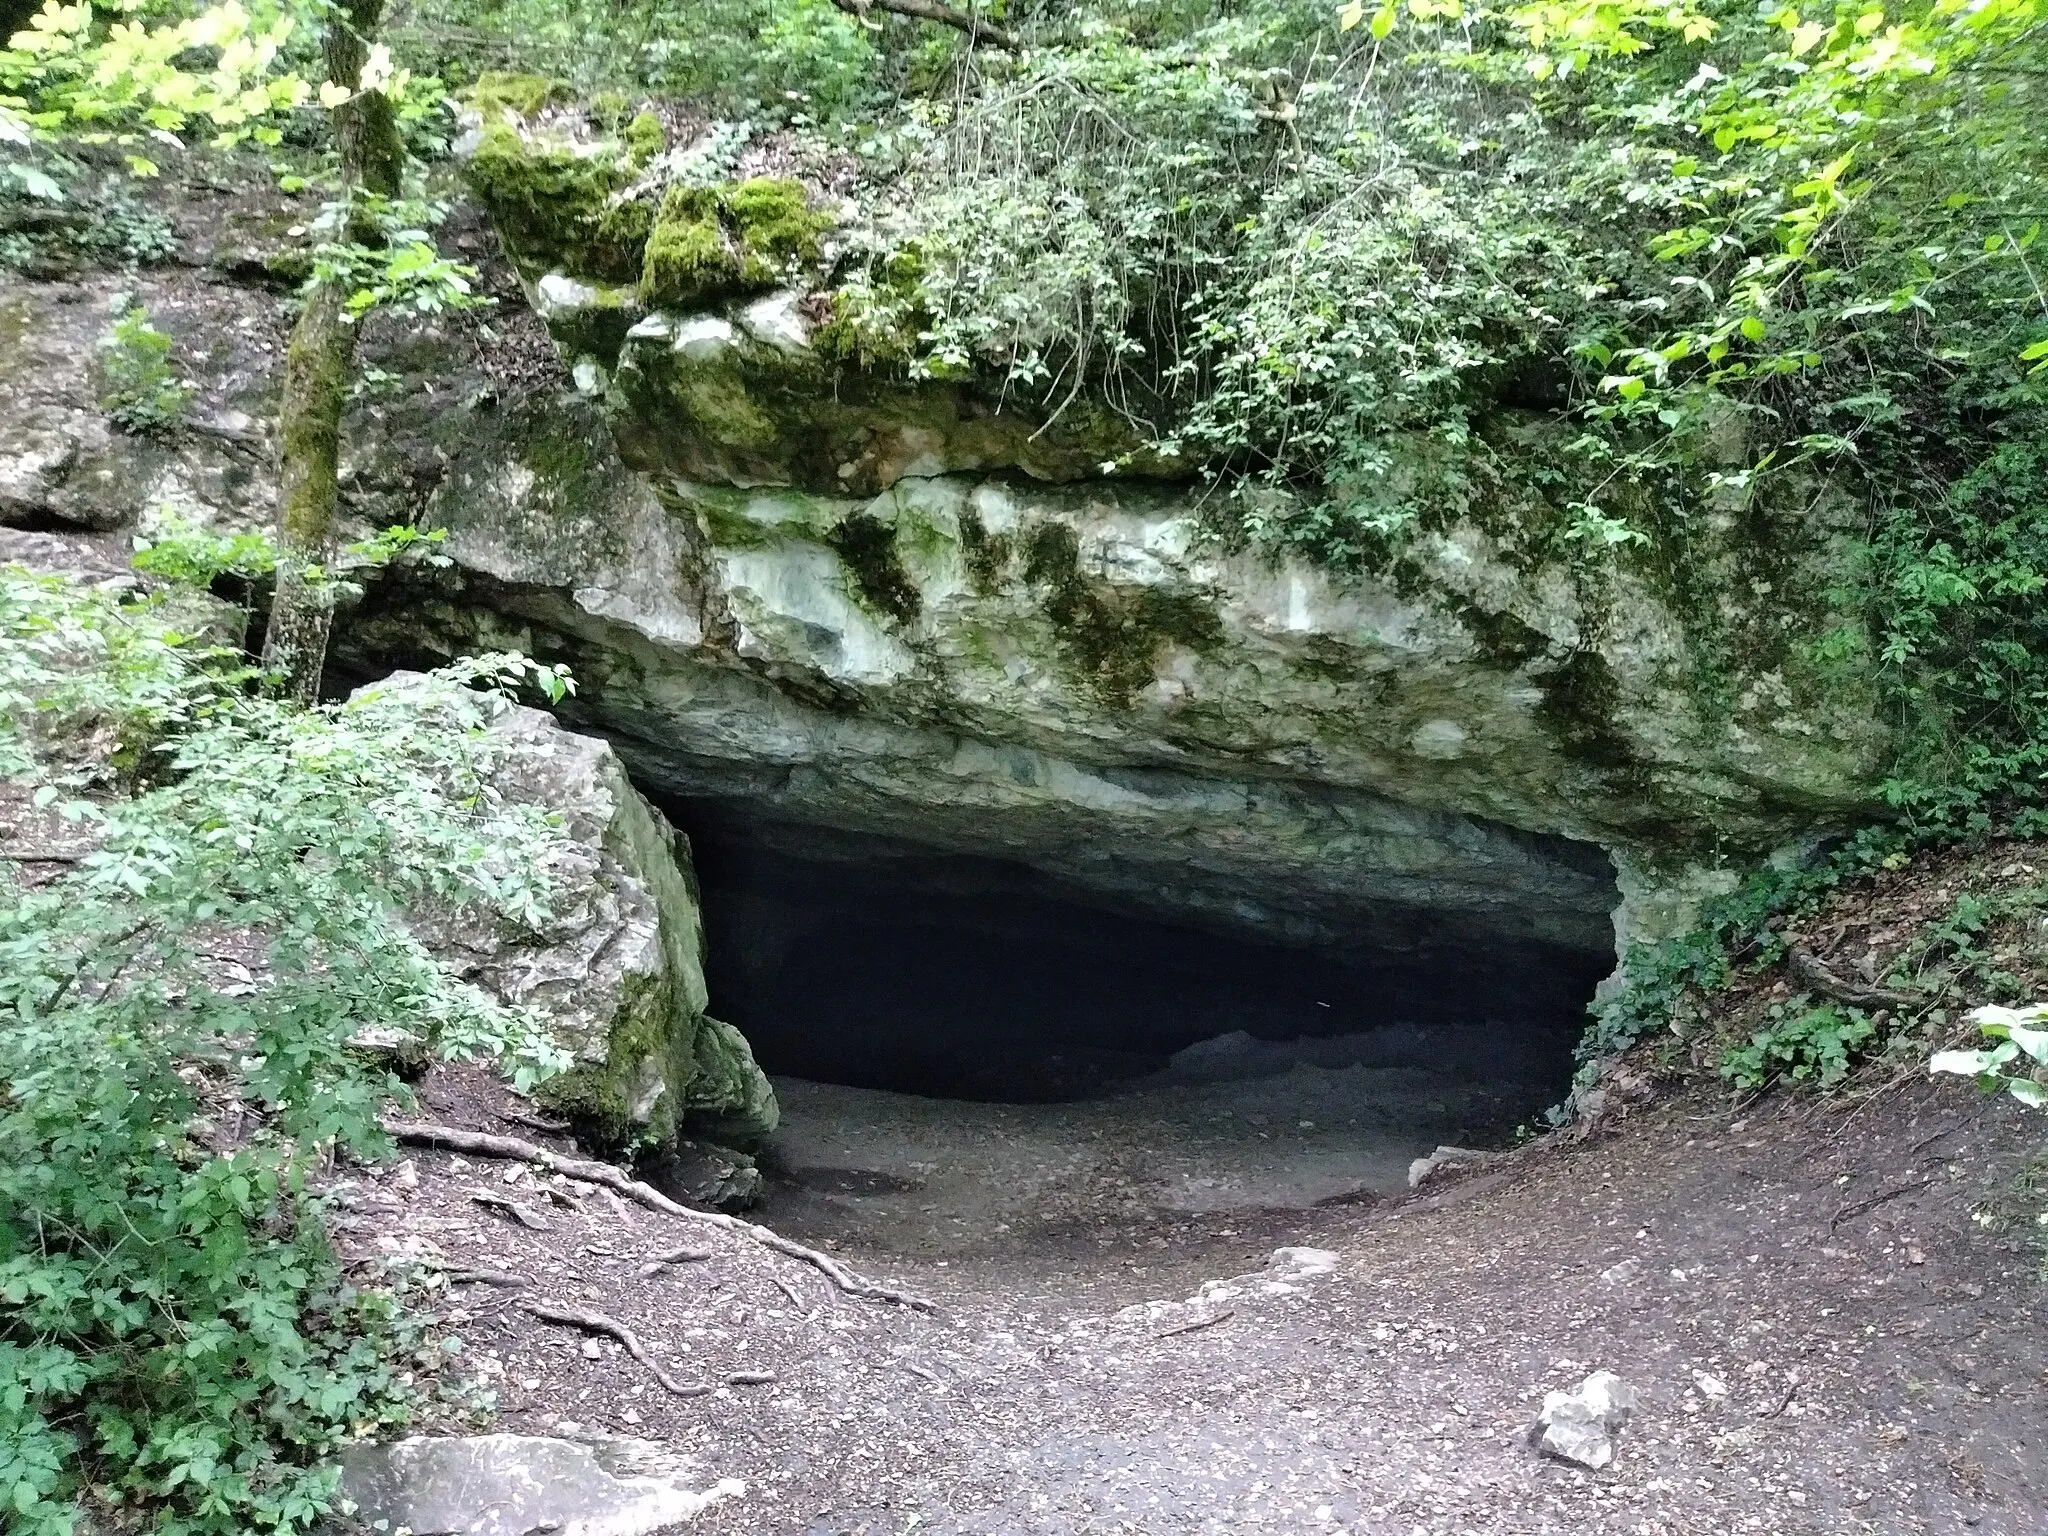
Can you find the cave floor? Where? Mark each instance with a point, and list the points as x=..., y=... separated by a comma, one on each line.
x=1880, y=1347
x=1175, y=1157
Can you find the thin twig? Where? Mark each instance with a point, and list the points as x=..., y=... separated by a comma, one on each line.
x=1873, y=1202
x=597, y=1322
x=1783, y=1402
x=496, y=1277
x=1201, y=1322
x=482, y=1144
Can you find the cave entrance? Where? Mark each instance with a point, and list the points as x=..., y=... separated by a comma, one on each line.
x=1018, y=1011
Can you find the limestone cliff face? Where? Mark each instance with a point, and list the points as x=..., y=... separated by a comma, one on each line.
x=891, y=605
x=864, y=601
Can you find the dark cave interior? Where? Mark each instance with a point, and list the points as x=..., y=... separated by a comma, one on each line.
x=869, y=962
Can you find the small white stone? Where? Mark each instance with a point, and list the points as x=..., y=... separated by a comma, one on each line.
x=558, y=292
x=777, y=321
x=702, y=337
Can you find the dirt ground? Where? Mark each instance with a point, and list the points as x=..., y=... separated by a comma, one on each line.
x=1833, y=1311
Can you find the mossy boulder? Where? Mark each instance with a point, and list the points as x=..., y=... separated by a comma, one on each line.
x=713, y=242
x=499, y=91
x=557, y=206
x=731, y=1099
x=645, y=137
x=616, y=968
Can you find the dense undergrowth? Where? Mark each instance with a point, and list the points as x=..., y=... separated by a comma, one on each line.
x=221, y=919
x=1759, y=257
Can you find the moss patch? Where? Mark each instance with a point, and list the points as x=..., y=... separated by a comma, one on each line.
x=502, y=90
x=651, y=1043
x=712, y=395
x=689, y=259
x=645, y=137
x=866, y=546
x=987, y=554
x=711, y=242
x=555, y=208
x=776, y=229
x=1111, y=634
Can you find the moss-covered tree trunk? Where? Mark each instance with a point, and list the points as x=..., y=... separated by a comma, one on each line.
x=316, y=374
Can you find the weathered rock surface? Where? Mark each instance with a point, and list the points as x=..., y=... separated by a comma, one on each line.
x=526, y=1485
x=617, y=968
x=843, y=601
x=1580, y=1425
x=1282, y=1276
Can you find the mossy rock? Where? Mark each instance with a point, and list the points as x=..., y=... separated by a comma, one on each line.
x=1111, y=633
x=645, y=137
x=504, y=90
x=555, y=208
x=866, y=546
x=690, y=260
x=713, y=242
x=731, y=1099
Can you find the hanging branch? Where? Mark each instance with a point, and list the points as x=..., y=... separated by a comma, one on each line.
x=976, y=29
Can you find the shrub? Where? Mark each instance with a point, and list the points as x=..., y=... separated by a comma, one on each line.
x=176, y=1335
x=143, y=393
x=1814, y=1045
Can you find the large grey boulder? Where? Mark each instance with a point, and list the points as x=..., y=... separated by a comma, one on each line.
x=525, y=1485
x=617, y=967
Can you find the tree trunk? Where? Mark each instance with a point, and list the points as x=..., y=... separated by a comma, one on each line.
x=316, y=374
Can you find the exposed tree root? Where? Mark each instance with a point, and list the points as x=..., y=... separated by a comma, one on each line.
x=483, y=1144
x=1808, y=968
x=597, y=1322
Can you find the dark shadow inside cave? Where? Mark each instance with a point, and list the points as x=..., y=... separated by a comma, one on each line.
x=865, y=961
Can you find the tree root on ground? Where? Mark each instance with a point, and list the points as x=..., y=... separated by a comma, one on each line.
x=483, y=1144
x=597, y=1322
x=1808, y=968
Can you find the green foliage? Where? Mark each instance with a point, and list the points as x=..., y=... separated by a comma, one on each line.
x=68, y=74
x=798, y=59
x=77, y=217
x=184, y=553
x=1804, y=1044
x=176, y=1336
x=381, y=251
x=2016, y=1060
x=141, y=391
